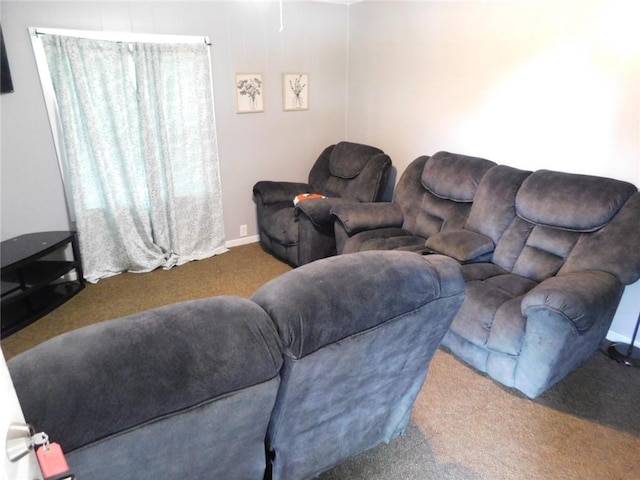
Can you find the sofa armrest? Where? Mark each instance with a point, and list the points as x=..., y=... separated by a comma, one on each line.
x=465, y=246
x=567, y=318
x=358, y=217
x=276, y=192
x=318, y=209
x=580, y=297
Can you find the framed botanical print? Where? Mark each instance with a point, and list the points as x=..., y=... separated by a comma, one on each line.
x=249, y=92
x=295, y=91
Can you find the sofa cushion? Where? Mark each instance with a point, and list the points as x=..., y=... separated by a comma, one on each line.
x=385, y=239
x=493, y=207
x=453, y=176
x=437, y=214
x=348, y=159
x=581, y=203
x=544, y=252
x=608, y=248
x=490, y=315
x=463, y=245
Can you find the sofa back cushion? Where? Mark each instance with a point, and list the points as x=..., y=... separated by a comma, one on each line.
x=348, y=159
x=494, y=205
x=435, y=193
x=351, y=170
x=556, y=211
x=613, y=248
x=579, y=203
x=455, y=177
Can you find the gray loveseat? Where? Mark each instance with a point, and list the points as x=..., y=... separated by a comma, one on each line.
x=545, y=256
x=322, y=363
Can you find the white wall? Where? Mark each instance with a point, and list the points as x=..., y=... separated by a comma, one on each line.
x=273, y=145
x=531, y=84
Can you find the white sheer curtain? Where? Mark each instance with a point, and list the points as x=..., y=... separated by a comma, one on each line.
x=140, y=152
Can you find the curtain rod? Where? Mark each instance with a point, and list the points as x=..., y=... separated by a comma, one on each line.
x=121, y=37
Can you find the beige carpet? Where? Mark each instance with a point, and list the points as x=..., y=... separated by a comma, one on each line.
x=465, y=426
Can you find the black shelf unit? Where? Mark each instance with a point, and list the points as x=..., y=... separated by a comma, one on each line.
x=32, y=284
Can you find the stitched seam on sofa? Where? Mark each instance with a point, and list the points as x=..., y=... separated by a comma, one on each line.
x=301, y=346
x=499, y=352
x=443, y=197
x=286, y=244
x=559, y=312
x=169, y=415
x=498, y=287
x=379, y=187
x=511, y=294
x=567, y=229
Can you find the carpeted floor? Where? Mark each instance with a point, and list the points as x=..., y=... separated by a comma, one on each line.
x=464, y=425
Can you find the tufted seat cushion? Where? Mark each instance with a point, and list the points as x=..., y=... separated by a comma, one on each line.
x=490, y=315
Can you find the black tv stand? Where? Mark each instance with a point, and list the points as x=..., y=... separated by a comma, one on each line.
x=32, y=284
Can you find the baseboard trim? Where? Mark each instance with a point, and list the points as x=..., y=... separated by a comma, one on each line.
x=617, y=338
x=242, y=241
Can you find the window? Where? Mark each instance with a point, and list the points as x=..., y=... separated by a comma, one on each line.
x=134, y=128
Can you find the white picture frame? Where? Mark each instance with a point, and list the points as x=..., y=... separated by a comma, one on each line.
x=249, y=93
x=295, y=91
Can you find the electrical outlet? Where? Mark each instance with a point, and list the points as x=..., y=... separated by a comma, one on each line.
x=243, y=230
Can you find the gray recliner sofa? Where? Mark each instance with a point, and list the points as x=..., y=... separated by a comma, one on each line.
x=322, y=363
x=545, y=256
x=433, y=194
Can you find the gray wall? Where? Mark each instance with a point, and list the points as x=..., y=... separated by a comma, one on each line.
x=529, y=84
x=273, y=145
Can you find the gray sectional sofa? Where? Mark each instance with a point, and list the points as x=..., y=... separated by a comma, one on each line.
x=322, y=363
x=545, y=256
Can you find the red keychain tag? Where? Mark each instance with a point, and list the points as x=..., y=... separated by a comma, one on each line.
x=51, y=460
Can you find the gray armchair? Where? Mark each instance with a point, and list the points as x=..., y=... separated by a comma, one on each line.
x=344, y=173
x=358, y=332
